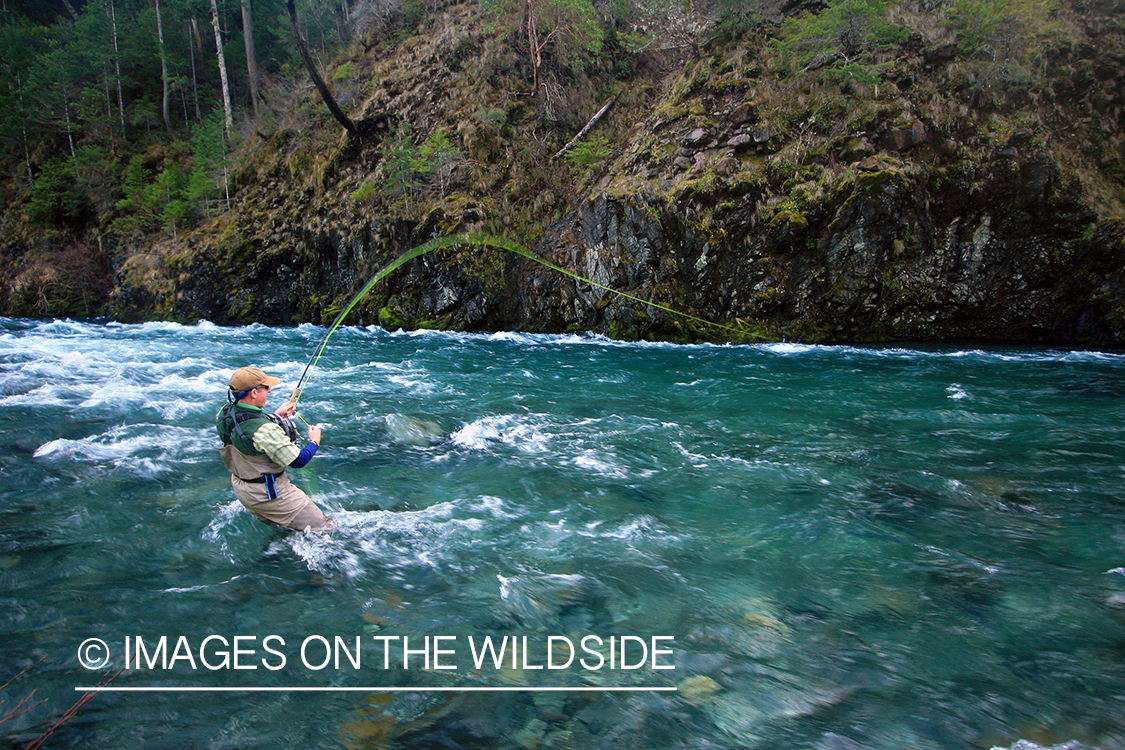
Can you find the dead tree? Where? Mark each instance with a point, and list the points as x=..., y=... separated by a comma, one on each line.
x=325, y=94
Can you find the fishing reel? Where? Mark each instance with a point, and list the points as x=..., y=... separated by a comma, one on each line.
x=288, y=425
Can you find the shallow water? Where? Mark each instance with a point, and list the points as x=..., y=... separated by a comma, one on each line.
x=849, y=547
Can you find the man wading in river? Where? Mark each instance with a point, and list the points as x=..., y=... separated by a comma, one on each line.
x=256, y=449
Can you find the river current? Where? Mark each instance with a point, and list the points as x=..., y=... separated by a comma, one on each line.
x=769, y=546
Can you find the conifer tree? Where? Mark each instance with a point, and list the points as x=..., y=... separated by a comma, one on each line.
x=164, y=108
x=251, y=53
x=229, y=117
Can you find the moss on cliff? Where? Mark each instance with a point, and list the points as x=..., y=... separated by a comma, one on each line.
x=812, y=201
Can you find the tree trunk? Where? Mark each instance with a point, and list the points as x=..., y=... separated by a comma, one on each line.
x=195, y=41
x=108, y=97
x=163, y=69
x=27, y=158
x=325, y=94
x=69, y=130
x=23, y=132
x=251, y=56
x=229, y=120
x=117, y=65
x=589, y=126
x=532, y=45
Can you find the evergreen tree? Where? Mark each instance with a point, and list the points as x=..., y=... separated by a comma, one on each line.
x=439, y=159
x=399, y=161
x=57, y=198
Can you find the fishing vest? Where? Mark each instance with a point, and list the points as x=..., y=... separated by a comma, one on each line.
x=236, y=425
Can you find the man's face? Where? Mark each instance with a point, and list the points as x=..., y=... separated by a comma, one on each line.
x=257, y=396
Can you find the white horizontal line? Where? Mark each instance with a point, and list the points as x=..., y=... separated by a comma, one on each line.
x=377, y=689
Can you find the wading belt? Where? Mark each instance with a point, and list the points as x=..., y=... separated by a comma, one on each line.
x=268, y=480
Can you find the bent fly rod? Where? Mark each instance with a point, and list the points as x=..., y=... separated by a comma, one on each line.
x=470, y=238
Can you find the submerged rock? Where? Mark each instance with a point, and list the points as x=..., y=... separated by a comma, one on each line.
x=411, y=431
x=746, y=712
x=698, y=690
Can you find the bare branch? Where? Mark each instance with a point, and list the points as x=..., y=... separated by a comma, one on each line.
x=71, y=712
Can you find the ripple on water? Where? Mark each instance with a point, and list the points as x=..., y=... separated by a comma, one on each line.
x=815, y=525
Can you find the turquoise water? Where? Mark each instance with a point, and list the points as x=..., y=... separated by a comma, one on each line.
x=835, y=547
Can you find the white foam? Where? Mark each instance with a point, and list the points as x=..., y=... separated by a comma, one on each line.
x=786, y=348
x=1028, y=745
x=434, y=537
x=145, y=449
x=957, y=393
x=598, y=462
x=507, y=429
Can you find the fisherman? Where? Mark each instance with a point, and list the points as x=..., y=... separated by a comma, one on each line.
x=258, y=446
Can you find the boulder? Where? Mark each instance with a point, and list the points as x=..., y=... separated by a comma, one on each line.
x=741, y=142
x=696, y=137
x=744, y=114
x=856, y=148
x=904, y=138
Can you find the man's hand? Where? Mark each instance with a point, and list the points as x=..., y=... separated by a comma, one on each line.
x=286, y=410
x=314, y=433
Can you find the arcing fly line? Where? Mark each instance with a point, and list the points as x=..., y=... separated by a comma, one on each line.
x=471, y=239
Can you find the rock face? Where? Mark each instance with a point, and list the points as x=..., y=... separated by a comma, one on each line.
x=913, y=222
x=1008, y=253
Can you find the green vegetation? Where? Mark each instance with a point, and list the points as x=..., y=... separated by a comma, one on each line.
x=408, y=169
x=588, y=154
x=745, y=119
x=437, y=159
x=841, y=39
x=567, y=29
x=82, y=92
x=1006, y=30
x=344, y=72
x=57, y=196
x=400, y=156
x=91, y=133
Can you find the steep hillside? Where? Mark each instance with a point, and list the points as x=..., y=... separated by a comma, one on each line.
x=900, y=175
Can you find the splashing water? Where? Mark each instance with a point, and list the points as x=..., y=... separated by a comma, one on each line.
x=851, y=546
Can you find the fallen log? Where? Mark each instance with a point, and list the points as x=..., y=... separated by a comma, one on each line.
x=582, y=133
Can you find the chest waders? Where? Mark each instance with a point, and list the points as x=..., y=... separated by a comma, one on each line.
x=236, y=429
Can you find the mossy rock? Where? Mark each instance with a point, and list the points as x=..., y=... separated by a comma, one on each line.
x=791, y=216
x=389, y=320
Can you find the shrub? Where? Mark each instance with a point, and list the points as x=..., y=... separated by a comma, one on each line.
x=440, y=159
x=839, y=36
x=57, y=196
x=1008, y=29
x=587, y=154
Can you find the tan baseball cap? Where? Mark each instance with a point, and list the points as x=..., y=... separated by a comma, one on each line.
x=250, y=377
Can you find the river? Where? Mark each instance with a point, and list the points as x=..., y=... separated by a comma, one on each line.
x=768, y=546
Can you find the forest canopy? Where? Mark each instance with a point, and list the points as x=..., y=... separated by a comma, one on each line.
x=125, y=113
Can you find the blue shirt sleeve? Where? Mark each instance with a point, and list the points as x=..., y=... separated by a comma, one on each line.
x=304, y=456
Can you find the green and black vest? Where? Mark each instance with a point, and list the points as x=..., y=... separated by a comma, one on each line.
x=236, y=424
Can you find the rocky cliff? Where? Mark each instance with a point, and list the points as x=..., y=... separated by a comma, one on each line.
x=947, y=200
